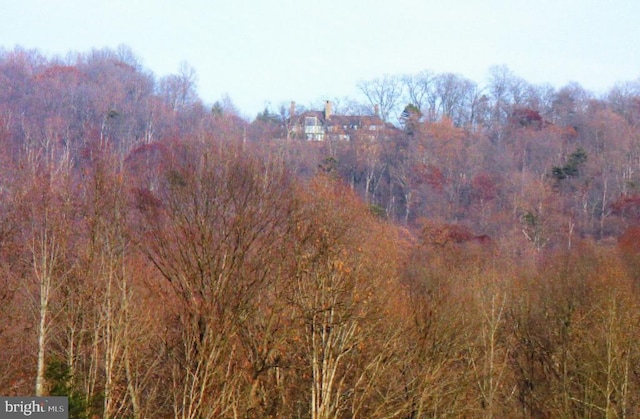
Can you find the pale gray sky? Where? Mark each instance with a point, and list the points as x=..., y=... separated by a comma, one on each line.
x=262, y=51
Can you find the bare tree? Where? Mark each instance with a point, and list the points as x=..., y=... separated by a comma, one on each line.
x=179, y=90
x=336, y=301
x=384, y=93
x=420, y=89
x=48, y=212
x=209, y=232
x=454, y=94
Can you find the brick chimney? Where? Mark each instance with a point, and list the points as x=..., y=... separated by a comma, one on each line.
x=292, y=111
x=376, y=110
x=327, y=110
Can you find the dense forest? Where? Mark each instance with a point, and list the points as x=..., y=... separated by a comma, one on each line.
x=161, y=257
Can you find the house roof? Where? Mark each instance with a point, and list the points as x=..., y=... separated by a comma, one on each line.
x=343, y=120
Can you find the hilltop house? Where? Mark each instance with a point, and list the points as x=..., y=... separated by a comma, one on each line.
x=324, y=125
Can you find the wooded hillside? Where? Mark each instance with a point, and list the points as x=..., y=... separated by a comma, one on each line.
x=163, y=258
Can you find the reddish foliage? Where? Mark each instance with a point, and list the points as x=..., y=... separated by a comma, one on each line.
x=627, y=206
x=444, y=234
x=484, y=186
x=483, y=239
x=146, y=201
x=569, y=133
x=628, y=241
x=435, y=178
x=146, y=156
x=60, y=72
x=527, y=118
